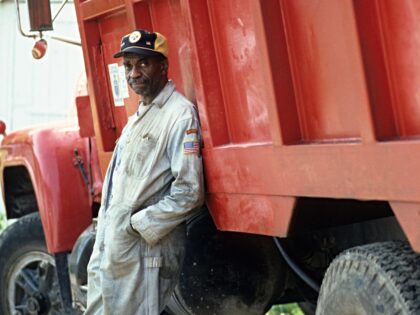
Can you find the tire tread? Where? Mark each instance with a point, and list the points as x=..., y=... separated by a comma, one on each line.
x=389, y=265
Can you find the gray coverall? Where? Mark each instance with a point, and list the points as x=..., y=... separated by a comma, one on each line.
x=153, y=183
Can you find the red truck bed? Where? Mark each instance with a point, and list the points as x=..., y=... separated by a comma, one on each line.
x=296, y=98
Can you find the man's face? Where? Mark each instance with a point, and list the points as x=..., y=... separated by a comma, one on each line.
x=145, y=75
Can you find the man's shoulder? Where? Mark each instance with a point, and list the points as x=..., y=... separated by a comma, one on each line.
x=180, y=100
x=181, y=107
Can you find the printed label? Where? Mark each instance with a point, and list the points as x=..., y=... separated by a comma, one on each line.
x=118, y=83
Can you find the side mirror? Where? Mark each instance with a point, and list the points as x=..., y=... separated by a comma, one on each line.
x=2, y=128
x=40, y=15
x=40, y=20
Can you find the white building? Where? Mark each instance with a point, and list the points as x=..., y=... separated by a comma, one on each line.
x=37, y=91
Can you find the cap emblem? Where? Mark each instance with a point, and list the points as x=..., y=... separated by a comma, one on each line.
x=134, y=37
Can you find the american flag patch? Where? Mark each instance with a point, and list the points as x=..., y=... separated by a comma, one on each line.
x=191, y=147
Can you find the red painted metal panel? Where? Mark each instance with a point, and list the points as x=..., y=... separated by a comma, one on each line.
x=95, y=71
x=207, y=79
x=370, y=172
x=323, y=48
x=259, y=214
x=111, y=28
x=140, y=15
x=101, y=25
x=94, y=8
x=84, y=116
x=239, y=62
x=390, y=38
x=62, y=195
x=282, y=109
x=169, y=18
x=374, y=61
x=400, y=22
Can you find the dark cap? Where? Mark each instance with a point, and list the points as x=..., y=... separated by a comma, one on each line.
x=144, y=43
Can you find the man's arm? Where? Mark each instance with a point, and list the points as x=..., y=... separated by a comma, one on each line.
x=187, y=189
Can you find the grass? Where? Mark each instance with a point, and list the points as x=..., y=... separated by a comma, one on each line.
x=285, y=309
x=3, y=221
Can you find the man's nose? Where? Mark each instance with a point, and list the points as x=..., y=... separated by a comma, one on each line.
x=134, y=73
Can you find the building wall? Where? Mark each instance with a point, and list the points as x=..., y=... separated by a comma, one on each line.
x=37, y=91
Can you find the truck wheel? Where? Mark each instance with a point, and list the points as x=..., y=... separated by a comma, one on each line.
x=27, y=272
x=227, y=273
x=380, y=278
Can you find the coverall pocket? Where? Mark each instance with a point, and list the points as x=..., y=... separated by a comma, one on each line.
x=121, y=248
x=141, y=157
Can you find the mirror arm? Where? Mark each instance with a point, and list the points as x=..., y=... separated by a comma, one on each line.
x=56, y=37
x=61, y=38
x=59, y=9
x=65, y=40
x=20, y=24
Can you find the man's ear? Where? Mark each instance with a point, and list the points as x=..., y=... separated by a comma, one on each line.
x=164, y=66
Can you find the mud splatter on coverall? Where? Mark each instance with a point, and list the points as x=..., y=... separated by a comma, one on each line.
x=153, y=184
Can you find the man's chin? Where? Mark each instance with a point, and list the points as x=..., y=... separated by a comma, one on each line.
x=140, y=90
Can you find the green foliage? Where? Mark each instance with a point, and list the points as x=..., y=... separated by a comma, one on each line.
x=3, y=221
x=285, y=309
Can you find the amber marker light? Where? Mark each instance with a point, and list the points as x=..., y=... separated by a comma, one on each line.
x=39, y=49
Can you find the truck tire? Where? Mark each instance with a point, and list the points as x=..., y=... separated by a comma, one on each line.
x=27, y=272
x=380, y=278
x=226, y=273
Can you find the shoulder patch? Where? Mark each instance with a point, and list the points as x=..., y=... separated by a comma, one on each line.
x=190, y=131
x=191, y=147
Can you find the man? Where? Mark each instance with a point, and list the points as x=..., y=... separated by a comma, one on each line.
x=152, y=185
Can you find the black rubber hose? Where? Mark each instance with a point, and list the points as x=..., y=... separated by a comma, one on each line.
x=310, y=282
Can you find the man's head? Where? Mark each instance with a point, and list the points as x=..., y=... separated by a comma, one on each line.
x=145, y=62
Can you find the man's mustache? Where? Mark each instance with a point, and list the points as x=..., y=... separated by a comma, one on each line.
x=138, y=81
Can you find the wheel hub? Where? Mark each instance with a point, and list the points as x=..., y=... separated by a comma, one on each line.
x=32, y=305
x=33, y=287
x=28, y=277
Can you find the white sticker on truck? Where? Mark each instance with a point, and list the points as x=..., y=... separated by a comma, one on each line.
x=123, y=81
x=118, y=83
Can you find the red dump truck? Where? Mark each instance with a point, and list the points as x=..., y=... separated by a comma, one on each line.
x=310, y=113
